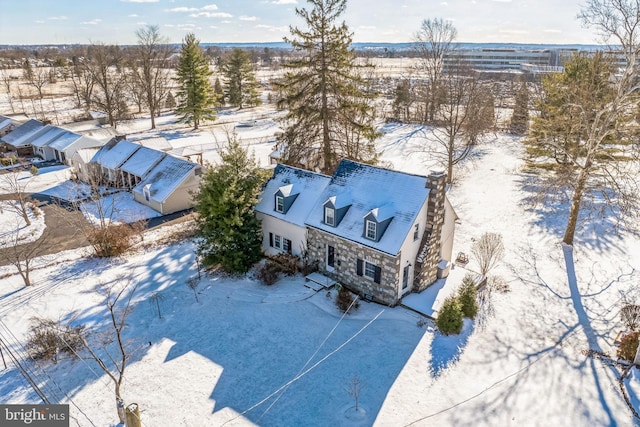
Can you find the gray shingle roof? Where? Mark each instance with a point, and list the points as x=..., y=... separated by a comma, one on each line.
x=19, y=135
x=165, y=177
x=394, y=194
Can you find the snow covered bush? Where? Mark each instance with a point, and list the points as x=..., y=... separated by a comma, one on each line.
x=345, y=300
x=468, y=297
x=47, y=339
x=112, y=240
x=628, y=346
x=269, y=272
x=450, y=317
x=630, y=316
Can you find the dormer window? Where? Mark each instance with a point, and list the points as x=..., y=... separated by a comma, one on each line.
x=279, y=204
x=371, y=230
x=284, y=198
x=329, y=216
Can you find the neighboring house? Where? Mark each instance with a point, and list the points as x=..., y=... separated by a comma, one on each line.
x=55, y=143
x=381, y=233
x=169, y=185
x=80, y=163
x=18, y=140
x=159, y=143
x=139, y=165
x=94, y=129
x=7, y=124
x=67, y=144
x=108, y=160
x=286, y=201
x=40, y=143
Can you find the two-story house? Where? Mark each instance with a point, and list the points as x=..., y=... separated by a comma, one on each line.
x=380, y=232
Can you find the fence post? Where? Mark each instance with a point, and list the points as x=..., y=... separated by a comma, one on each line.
x=133, y=415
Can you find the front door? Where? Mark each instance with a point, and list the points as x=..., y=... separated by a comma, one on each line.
x=331, y=257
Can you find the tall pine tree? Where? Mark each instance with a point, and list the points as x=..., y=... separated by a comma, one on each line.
x=196, y=97
x=322, y=93
x=241, y=86
x=231, y=235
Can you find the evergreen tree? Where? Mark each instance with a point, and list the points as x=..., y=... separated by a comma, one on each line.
x=519, y=124
x=230, y=233
x=403, y=100
x=170, y=102
x=468, y=297
x=241, y=86
x=218, y=90
x=450, y=317
x=196, y=97
x=322, y=92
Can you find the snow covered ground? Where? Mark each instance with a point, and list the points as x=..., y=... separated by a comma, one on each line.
x=247, y=354
x=14, y=229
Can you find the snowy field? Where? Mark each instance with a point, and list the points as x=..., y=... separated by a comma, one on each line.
x=247, y=354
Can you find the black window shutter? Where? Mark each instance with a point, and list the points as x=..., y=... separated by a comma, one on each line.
x=359, y=267
x=288, y=246
x=377, y=274
x=271, y=239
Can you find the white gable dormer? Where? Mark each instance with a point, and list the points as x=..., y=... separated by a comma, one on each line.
x=284, y=198
x=335, y=208
x=376, y=221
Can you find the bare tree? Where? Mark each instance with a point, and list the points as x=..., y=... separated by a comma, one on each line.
x=152, y=55
x=155, y=299
x=83, y=84
x=10, y=183
x=104, y=65
x=118, y=303
x=616, y=22
x=193, y=283
x=466, y=112
x=488, y=251
x=5, y=78
x=23, y=255
x=630, y=316
x=354, y=387
x=433, y=42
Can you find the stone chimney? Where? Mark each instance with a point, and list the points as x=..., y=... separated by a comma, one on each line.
x=429, y=255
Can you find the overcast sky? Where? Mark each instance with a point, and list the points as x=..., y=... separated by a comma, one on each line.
x=115, y=21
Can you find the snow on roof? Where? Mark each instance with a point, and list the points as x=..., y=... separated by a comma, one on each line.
x=65, y=140
x=394, y=194
x=19, y=135
x=308, y=185
x=165, y=177
x=142, y=161
x=115, y=153
x=157, y=143
x=46, y=135
x=84, y=125
x=5, y=122
x=102, y=134
x=86, y=154
x=383, y=212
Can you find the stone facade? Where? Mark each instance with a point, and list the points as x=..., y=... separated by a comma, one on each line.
x=345, y=266
x=429, y=255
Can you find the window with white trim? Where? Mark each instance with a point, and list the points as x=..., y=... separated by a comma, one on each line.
x=279, y=242
x=369, y=270
x=416, y=231
x=280, y=204
x=371, y=230
x=329, y=216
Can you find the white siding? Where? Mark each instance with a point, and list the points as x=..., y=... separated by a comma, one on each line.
x=297, y=234
x=410, y=248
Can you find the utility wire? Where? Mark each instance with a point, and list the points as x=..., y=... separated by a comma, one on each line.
x=315, y=365
x=313, y=355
